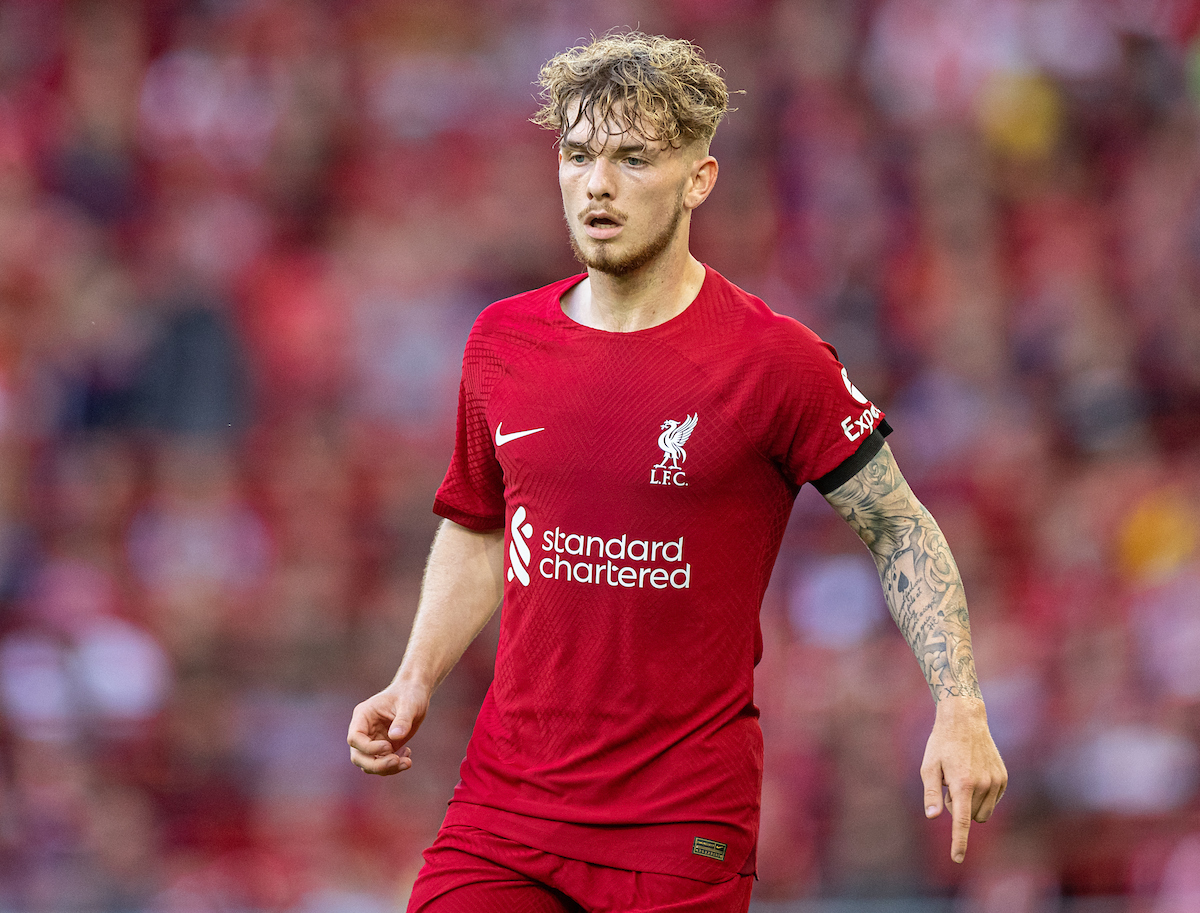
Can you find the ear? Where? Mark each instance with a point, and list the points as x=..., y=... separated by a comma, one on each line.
x=700, y=183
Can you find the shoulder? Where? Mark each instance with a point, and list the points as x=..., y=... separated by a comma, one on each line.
x=519, y=321
x=523, y=310
x=770, y=335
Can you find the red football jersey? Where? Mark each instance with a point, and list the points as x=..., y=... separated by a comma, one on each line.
x=644, y=481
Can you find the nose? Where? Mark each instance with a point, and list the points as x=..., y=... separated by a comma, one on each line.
x=600, y=179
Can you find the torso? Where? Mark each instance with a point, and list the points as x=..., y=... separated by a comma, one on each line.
x=642, y=519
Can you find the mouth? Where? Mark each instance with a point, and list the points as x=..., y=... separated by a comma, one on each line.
x=601, y=225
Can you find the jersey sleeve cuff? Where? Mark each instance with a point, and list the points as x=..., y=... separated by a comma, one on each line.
x=470, y=521
x=856, y=461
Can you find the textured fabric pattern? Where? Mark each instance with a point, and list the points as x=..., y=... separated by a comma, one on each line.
x=468, y=870
x=644, y=481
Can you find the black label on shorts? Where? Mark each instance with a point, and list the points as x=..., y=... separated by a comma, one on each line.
x=709, y=848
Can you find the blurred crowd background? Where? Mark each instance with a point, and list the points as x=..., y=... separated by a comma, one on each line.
x=241, y=244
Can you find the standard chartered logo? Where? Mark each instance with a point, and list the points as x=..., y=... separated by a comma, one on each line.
x=518, y=547
x=618, y=561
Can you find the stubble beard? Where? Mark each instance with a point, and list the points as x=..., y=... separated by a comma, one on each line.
x=606, y=261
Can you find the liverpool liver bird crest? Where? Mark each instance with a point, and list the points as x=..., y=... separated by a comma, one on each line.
x=671, y=441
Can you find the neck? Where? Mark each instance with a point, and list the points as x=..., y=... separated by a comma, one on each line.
x=642, y=299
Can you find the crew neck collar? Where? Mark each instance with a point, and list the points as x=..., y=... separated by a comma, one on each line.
x=566, y=285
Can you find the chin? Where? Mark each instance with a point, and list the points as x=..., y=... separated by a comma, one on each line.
x=603, y=259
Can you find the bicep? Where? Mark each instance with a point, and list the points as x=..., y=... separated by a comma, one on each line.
x=460, y=592
x=468, y=559
x=876, y=501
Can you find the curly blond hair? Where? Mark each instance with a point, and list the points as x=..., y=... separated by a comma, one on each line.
x=661, y=86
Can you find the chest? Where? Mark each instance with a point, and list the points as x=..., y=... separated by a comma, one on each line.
x=620, y=419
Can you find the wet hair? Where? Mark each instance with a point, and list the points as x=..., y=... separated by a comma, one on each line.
x=663, y=87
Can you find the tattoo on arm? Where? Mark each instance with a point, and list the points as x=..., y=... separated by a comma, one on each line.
x=921, y=583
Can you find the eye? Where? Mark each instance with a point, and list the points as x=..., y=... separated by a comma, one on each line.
x=577, y=158
x=635, y=161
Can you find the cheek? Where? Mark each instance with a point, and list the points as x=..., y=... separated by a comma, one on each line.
x=666, y=201
x=568, y=183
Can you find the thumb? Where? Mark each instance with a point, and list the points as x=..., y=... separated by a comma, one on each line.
x=400, y=729
x=408, y=710
x=407, y=719
x=931, y=776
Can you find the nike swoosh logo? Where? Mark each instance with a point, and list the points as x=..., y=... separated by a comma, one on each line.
x=502, y=439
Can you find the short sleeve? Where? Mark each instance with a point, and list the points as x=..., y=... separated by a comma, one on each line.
x=850, y=467
x=821, y=421
x=472, y=493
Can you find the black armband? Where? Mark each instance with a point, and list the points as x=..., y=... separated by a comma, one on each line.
x=856, y=461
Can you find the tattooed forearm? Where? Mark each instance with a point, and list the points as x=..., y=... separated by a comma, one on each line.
x=921, y=583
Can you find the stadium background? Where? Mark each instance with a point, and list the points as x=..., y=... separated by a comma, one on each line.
x=241, y=242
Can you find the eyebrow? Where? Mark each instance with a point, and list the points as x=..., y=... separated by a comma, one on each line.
x=624, y=149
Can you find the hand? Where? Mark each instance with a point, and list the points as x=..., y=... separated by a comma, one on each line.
x=382, y=724
x=961, y=756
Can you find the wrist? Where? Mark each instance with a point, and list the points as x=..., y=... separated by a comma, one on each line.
x=961, y=705
x=413, y=681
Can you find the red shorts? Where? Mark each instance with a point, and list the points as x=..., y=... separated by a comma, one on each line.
x=468, y=870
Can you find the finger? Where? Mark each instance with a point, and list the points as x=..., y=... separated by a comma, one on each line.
x=987, y=805
x=979, y=798
x=986, y=808
x=366, y=727
x=960, y=805
x=383, y=766
x=931, y=776
x=365, y=737
x=368, y=746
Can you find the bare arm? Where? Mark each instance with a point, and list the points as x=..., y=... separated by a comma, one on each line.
x=462, y=588
x=920, y=580
x=924, y=594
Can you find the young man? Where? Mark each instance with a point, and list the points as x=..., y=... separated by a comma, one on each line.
x=630, y=443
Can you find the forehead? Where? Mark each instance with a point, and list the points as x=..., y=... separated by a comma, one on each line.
x=615, y=131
